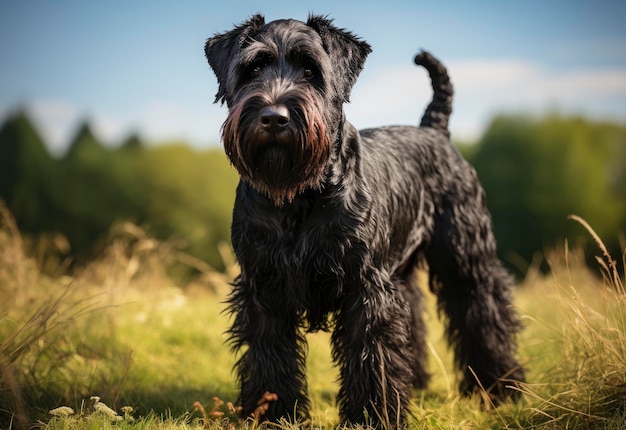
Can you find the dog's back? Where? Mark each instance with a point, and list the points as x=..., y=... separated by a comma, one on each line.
x=421, y=156
x=387, y=139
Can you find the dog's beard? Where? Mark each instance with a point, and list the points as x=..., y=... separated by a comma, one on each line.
x=273, y=163
x=278, y=165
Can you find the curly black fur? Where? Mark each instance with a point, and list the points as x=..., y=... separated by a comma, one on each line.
x=330, y=223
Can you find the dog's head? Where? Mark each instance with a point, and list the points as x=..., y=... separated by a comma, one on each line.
x=284, y=84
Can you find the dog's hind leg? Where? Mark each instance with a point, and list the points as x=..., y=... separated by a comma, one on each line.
x=474, y=293
x=408, y=285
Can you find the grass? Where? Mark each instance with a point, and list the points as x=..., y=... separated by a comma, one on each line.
x=123, y=345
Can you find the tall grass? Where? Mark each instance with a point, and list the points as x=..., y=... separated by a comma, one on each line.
x=120, y=328
x=35, y=316
x=151, y=347
x=582, y=381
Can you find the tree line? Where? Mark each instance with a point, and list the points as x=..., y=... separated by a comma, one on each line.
x=174, y=191
x=536, y=171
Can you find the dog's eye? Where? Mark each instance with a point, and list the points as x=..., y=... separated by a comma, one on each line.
x=255, y=71
x=308, y=73
x=255, y=68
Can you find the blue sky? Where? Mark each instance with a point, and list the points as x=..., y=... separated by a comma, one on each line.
x=139, y=66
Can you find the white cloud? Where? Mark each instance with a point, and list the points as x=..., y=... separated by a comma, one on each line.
x=171, y=121
x=488, y=74
x=391, y=95
x=524, y=81
x=585, y=84
x=484, y=88
x=57, y=121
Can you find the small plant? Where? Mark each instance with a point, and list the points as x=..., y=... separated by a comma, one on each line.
x=97, y=415
x=62, y=411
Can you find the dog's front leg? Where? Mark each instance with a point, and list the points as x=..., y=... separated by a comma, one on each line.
x=274, y=353
x=371, y=344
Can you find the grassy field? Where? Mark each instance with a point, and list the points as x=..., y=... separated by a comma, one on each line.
x=121, y=345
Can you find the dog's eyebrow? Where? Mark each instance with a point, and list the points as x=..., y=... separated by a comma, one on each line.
x=303, y=55
x=258, y=52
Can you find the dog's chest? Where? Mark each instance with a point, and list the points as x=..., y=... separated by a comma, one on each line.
x=307, y=244
x=314, y=243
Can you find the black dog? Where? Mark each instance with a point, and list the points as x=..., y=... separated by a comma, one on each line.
x=330, y=224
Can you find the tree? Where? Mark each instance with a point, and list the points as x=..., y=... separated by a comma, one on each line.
x=25, y=169
x=189, y=196
x=132, y=143
x=95, y=186
x=536, y=172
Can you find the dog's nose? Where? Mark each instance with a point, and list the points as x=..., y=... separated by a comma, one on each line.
x=274, y=118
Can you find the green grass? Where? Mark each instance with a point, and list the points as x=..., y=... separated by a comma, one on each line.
x=123, y=330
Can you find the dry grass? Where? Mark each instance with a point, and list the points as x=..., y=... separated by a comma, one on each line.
x=582, y=378
x=123, y=329
x=106, y=330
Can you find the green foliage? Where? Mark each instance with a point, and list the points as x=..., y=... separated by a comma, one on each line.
x=173, y=190
x=132, y=143
x=93, y=187
x=25, y=170
x=189, y=196
x=538, y=171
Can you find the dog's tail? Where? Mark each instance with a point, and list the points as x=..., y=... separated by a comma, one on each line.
x=438, y=111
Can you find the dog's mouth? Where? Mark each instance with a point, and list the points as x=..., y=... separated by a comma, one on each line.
x=271, y=158
x=274, y=154
x=284, y=137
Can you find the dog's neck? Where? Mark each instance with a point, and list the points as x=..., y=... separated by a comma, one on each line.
x=346, y=162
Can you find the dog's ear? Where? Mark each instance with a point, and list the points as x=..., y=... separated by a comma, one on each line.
x=222, y=48
x=347, y=52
